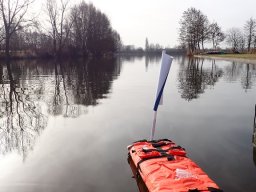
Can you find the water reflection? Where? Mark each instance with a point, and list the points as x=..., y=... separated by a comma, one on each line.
x=246, y=73
x=32, y=91
x=131, y=57
x=151, y=58
x=21, y=116
x=68, y=159
x=80, y=84
x=194, y=77
x=254, y=138
x=155, y=59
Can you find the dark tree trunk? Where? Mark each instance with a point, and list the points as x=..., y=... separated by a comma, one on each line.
x=54, y=47
x=249, y=44
x=1, y=73
x=7, y=47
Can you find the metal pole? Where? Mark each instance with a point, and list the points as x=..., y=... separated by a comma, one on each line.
x=154, y=127
x=255, y=118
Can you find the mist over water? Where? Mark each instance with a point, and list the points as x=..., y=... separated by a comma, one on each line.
x=64, y=126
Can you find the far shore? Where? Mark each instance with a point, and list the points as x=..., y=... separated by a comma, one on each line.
x=241, y=58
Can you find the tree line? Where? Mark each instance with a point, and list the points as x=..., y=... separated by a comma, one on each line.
x=78, y=30
x=243, y=39
x=196, y=30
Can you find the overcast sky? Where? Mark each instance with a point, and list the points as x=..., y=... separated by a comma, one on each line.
x=158, y=20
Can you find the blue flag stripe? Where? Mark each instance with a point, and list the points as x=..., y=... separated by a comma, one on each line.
x=159, y=96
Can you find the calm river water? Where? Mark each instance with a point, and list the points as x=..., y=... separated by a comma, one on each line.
x=65, y=126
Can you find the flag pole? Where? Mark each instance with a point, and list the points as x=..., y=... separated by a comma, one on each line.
x=166, y=62
x=153, y=127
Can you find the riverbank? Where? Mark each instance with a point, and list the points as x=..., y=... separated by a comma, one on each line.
x=243, y=58
x=29, y=54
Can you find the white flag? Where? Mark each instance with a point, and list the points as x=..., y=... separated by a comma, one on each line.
x=166, y=62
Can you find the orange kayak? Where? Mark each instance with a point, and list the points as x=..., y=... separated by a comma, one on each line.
x=162, y=166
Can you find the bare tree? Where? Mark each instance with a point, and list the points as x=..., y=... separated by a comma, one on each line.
x=13, y=15
x=52, y=14
x=250, y=30
x=233, y=38
x=193, y=30
x=254, y=42
x=203, y=26
x=215, y=34
x=56, y=16
x=242, y=42
x=85, y=29
x=60, y=34
x=92, y=31
x=117, y=40
x=80, y=15
x=146, y=45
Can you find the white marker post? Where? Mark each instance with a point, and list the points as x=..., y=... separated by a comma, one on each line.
x=166, y=62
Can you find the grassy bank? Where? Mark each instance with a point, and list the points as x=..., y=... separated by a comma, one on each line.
x=242, y=58
x=238, y=56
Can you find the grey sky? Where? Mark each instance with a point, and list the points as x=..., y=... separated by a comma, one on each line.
x=159, y=19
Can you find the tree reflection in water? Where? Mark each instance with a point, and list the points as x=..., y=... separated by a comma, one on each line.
x=152, y=58
x=194, y=77
x=246, y=73
x=31, y=91
x=254, y=138
x=21, y=116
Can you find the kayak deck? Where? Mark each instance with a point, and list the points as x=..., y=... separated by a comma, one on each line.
x=161, y=166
